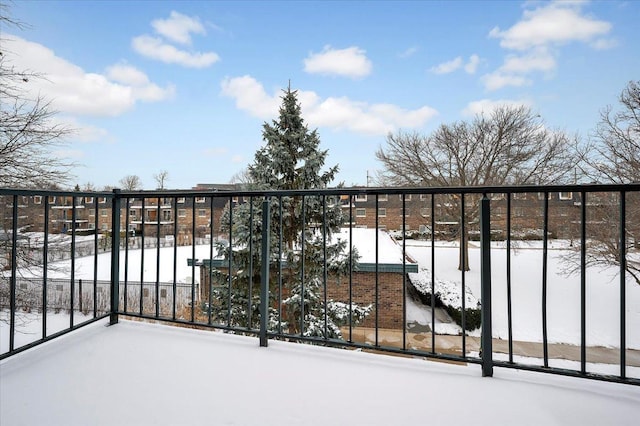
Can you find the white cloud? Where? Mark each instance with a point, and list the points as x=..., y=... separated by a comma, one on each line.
x=178, y=27
x=453, y=65
x=540, y=32
x=409, y=52
x=471, y=66
x=604, y=43
x=350, y=62
x=447, y=67
x=74, y=91
x=554, y=23
x=156, y=48
x=536, y=60
x=215, y=152
x=498, y=80
x=337, y=113
x=486, y=106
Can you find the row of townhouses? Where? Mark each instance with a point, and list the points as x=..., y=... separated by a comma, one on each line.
x=192, y=217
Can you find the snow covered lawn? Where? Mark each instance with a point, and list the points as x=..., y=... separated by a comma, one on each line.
x=563, y=293
x=145, y=374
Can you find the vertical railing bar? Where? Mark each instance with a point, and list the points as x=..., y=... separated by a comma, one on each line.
x=210, y=267
x=304, y=210
x=193, y=256
x=45, y=266
x=280, y=264
x=486, y=339
x=142, y=233
x=95, y=258
x=126, y=252
x=175, y=256
x=73, y=260
x=80, y=296
x=230, y=261
x=464, y=253
x=324, y=258
x=115, y=256
x=350, y=269
x=264, y=276
x=623, y=280
x=404, y=272
x=509, y=307
x=251, y=236
x=545, y=242
x=14, y=271
x=583, y=282
x=377, y=278
x=158, y=259
x=433, y=274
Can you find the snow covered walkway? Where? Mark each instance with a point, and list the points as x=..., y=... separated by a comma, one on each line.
x=145, y=374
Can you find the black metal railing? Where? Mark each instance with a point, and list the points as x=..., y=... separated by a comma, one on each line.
x=269, y=263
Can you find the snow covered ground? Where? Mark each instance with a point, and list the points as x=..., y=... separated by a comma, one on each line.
x=145, y=374
x=563, y=299
x=563, y=293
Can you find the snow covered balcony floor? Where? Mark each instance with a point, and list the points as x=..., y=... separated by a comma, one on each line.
x=136, y=373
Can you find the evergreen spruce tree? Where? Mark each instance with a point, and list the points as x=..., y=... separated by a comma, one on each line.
x=304, y=249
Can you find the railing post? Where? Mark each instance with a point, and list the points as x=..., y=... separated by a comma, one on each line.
x=485, y=283
x=264, y=276
x=115, y=257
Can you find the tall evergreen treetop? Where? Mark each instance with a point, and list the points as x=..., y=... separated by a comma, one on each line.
x=304, y=253
x=291, y=158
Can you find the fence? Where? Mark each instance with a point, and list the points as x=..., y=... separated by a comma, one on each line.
x=314, y=266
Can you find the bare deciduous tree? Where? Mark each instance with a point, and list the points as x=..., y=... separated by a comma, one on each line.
x=28, y=131
x=131, y=183
x=509, y=146
x=613, y=155
x=29, y=136
x=161, y=178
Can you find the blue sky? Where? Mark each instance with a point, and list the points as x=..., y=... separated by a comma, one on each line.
x=186, y=86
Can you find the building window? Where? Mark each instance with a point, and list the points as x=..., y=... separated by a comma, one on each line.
x=92, y=225
x=383, y=197
x=499, y=196
x=166, y=214
x=520, y=196
x=182, y=213
x=92, y=212
x=541, y=195
x=163, y=293
x=424, y=212
x=37, y=199
x=181, y=200
x=104, y=212
x=361, y=197
x=407, y=197
x=104, y=226
x=566, y=195
x=102, y=200
x=423, y=197
x=235, y=199
x=52, y=200
x=88, y=200
x=361, y=212
x=382, y=212
x=200, y=200
x=202, y=213
x=132, y=214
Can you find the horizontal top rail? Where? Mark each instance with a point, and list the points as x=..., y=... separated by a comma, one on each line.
x=332, y=191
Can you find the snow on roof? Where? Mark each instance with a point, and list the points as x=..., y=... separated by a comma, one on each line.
x=364, y=240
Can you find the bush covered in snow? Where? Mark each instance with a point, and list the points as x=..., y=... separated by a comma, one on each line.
x=448, y=295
